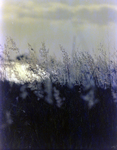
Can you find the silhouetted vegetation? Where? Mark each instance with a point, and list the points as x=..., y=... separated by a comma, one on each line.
x=72, y=107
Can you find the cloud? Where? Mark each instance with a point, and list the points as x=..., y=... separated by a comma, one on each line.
x=59, y=14
x=101, y=16
x=55, y=11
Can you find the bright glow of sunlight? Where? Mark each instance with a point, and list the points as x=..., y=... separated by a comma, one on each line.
x=1, y=3
x=19, y=73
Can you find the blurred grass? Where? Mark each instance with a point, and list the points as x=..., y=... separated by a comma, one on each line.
x=37, y=124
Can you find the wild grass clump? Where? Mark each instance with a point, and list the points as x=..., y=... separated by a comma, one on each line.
x=71, y=104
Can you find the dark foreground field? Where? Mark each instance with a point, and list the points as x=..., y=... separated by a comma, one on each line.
x=32, y=123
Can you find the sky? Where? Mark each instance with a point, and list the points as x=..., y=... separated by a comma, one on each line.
x=87, y=23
